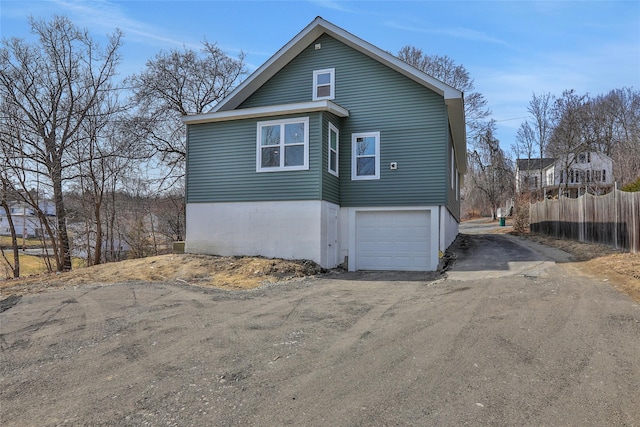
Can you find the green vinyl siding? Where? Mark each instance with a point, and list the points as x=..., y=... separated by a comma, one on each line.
x=221, y=165
x=411, y=119
x=453, y=203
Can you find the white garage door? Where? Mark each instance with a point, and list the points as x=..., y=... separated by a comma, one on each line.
x=393, y=240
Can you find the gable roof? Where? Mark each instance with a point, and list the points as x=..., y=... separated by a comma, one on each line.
x=534, y=164
x=454, y=98
x=309, y=34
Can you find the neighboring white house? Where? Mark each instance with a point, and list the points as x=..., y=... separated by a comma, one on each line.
x=25, y=220
x=530, y=173
x=571, y=176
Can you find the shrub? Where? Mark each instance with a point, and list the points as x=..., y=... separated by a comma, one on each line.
x=521, y=216
x=632, y=187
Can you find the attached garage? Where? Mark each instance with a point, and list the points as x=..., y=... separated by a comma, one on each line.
x=394, y=240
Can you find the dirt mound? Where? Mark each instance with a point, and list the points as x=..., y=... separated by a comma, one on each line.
x=199, y=270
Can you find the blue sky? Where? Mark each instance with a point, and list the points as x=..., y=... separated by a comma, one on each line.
x=511, y=48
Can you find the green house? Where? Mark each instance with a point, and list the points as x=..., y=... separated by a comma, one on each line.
x=332, y=151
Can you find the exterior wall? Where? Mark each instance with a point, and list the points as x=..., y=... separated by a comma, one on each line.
x=25, y=225
x=572, y=178
x=294, y=230
x=330, y=183
x=598, y=162
x=25, y=221
x=290, y=230
x=453, y=187
x=221, y=164
x=449, y=229
x=528, y=180
x=411, y=119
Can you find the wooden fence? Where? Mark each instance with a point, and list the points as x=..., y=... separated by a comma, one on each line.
x=612, y=219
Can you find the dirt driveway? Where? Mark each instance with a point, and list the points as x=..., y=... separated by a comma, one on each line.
x=551, y=348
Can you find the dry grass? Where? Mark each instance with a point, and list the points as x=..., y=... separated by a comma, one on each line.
x=621, y=269
x=5, y=242
x=29, y=265
x=200, y=270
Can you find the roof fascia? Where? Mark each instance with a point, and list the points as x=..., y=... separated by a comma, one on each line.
x=271, y=110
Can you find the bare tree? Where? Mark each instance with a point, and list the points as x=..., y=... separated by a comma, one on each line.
x=540, y=108
x=175, y=84
x=52, y=87
x=569, y=136
x=445, y=69
x=170, y=210
x=570, y=123
x=614, y=126
x=492, y=174
x=5, y=194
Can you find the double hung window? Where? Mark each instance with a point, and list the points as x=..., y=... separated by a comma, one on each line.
x=332, y=161
x=365, y=162
x=283, y=145
x=324, y=84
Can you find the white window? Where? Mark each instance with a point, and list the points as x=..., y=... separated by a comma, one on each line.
x=324, y=84
x=283, y=145
x=334, y=138
x=365, y=162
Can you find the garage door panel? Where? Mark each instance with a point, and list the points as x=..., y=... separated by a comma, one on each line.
x=393, y=240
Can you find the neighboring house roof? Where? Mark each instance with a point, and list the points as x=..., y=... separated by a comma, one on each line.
x=454, y=98
x=534, y=164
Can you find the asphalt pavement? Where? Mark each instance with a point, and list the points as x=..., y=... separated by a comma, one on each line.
x=507, y=337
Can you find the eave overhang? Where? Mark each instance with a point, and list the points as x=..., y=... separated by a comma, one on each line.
x=271, y=110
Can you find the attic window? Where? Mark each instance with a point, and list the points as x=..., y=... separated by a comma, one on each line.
x=324, y=84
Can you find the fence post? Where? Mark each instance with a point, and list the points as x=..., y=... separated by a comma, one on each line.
x=615, y=216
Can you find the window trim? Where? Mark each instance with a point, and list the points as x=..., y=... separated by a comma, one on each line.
x=332, y=128
x=453, y=167
x=282, y=123
x=354, y=157
x=332, y=84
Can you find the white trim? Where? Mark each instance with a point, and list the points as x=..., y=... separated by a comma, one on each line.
x=304, y=166
x=334, y=129
x=331, y=84
x=453, y=166
x=271, y=110
x=354, y=156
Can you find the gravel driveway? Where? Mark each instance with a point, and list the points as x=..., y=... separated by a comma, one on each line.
x=366, y=349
